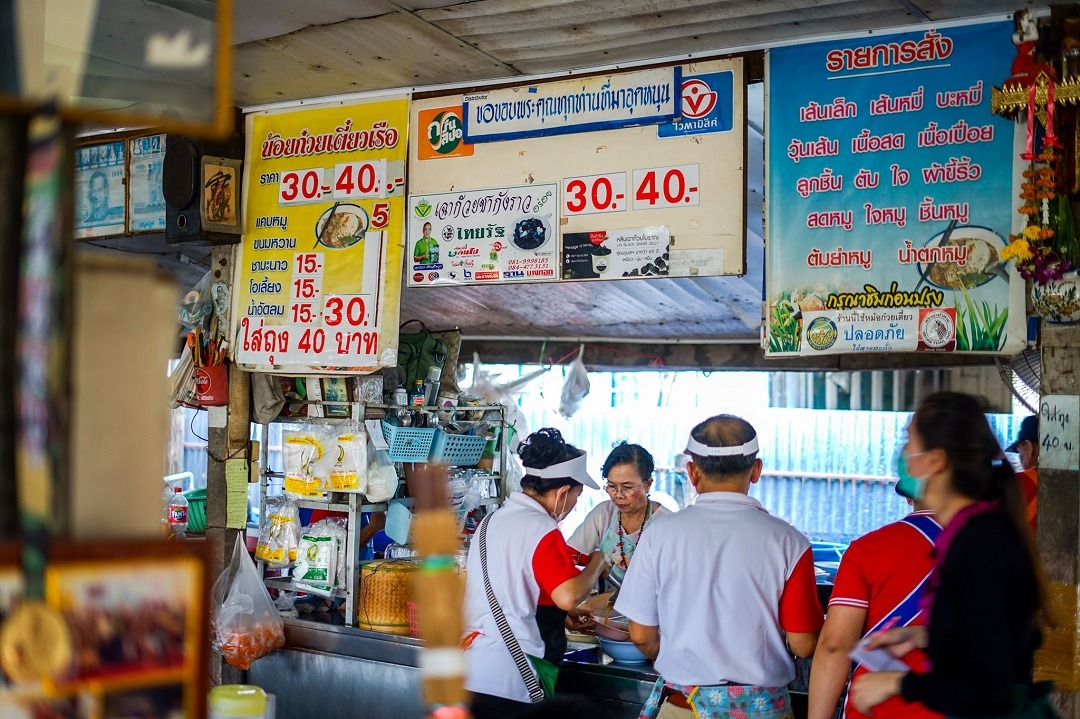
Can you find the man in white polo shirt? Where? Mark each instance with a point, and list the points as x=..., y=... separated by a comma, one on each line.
x=719, y=592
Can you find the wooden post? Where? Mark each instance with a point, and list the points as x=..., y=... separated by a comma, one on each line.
x=227, y=438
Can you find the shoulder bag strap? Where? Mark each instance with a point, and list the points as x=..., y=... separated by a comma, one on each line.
x=536, y=693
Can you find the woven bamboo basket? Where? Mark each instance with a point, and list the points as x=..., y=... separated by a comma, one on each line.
x=385, y=592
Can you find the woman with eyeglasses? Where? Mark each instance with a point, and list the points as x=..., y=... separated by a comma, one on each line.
x=615, y=527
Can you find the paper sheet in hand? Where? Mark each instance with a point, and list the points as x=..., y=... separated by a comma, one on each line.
x=877, y=660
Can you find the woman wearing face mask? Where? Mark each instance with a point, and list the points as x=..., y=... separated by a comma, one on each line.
x=616, y=527
x=982, y=600
x=530, y=578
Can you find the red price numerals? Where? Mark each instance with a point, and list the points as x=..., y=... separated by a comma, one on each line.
x=595, y=194
x=666, y=187
x=308, y=263
x=306, y=288
x=313, y=341
x=360, y=179
x=350, y=309
x=304, y=313
x=380, y=215
x=301, y=186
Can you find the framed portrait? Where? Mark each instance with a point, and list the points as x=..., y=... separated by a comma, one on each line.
x=146, y=203
x=139, y=617
x=219, y=206
x=100, y=190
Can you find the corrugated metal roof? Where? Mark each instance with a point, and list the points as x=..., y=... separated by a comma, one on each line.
x=290, y=50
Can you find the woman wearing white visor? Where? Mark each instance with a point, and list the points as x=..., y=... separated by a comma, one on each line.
x=522, y=581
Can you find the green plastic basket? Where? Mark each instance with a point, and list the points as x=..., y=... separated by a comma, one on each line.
x=196, y=517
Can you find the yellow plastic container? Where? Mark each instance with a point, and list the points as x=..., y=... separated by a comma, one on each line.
x=238, y=701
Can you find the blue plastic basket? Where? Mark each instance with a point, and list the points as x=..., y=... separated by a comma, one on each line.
x=408, y=444
x=462, y=450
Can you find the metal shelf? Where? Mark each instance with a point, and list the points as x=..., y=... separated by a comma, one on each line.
x=354, y=504
x=287, y=585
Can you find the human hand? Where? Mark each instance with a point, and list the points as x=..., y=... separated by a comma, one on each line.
x=580, y=620
x=378, y=521
x=869, y=690
x=899, y=641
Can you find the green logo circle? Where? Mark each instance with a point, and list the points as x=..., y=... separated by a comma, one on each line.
x=445, y=132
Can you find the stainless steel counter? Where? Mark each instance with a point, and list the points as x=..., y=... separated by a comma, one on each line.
x=328, y=671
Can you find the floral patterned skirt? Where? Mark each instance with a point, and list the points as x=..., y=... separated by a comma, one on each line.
x=729, y=701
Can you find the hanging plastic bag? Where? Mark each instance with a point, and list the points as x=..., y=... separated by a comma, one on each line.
x=349, y=473
x=575, y=388
x=280, y=534
x=246, y=624
x=304, y=449
x=382, y=479
x=197, y=304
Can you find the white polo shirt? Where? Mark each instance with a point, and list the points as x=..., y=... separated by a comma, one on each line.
x=723, y=579
x=527, y=559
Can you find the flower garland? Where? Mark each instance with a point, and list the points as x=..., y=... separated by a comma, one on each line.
x=1046, y=248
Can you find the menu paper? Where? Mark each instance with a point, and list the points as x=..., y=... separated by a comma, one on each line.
x=485, y=236
x=892, y=191
x=318, y=276
x=1059, y=432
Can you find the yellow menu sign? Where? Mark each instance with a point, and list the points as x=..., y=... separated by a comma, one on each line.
x=318, y=276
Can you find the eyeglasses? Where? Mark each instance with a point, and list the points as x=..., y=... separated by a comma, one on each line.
x=622, y=491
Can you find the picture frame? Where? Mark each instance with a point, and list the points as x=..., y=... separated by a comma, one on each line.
x=219, y=195
x=139, y=616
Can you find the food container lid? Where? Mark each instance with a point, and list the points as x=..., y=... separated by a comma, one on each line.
x=238, y=700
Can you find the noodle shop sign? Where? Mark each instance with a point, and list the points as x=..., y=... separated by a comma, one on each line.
x=891, y=195
x=318, y=273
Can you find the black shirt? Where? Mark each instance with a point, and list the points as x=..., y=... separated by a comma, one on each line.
x=982, y=631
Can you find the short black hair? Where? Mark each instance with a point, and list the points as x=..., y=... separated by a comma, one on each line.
x=544, y=448
x=723, y=430
x=632, y=454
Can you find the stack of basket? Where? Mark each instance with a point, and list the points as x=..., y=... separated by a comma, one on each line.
x=385, y=591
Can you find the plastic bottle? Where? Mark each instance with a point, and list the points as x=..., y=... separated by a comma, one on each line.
x=178, y=515
x=416, y=396
x=431, y=386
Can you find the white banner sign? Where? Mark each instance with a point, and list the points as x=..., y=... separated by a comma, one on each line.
x=603, y=102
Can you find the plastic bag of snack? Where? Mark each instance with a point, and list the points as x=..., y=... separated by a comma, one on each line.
x=246, y=625
x=304, y=449
x=316, y=559
x=349, y=473
x=280, y=534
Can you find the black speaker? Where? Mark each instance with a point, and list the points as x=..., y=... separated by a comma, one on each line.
x=185, y=190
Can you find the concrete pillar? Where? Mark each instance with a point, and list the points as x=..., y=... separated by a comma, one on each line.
x=1059, y=529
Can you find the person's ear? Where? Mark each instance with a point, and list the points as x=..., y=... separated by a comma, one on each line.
x=755, y=471
x=693, y=473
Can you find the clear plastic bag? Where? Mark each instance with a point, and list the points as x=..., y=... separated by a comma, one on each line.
x=382, y=479
x=575, y=388
x=197, y=304
x=280, y=534
x=246, y=624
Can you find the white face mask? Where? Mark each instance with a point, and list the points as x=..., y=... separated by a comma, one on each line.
x=557, y=515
